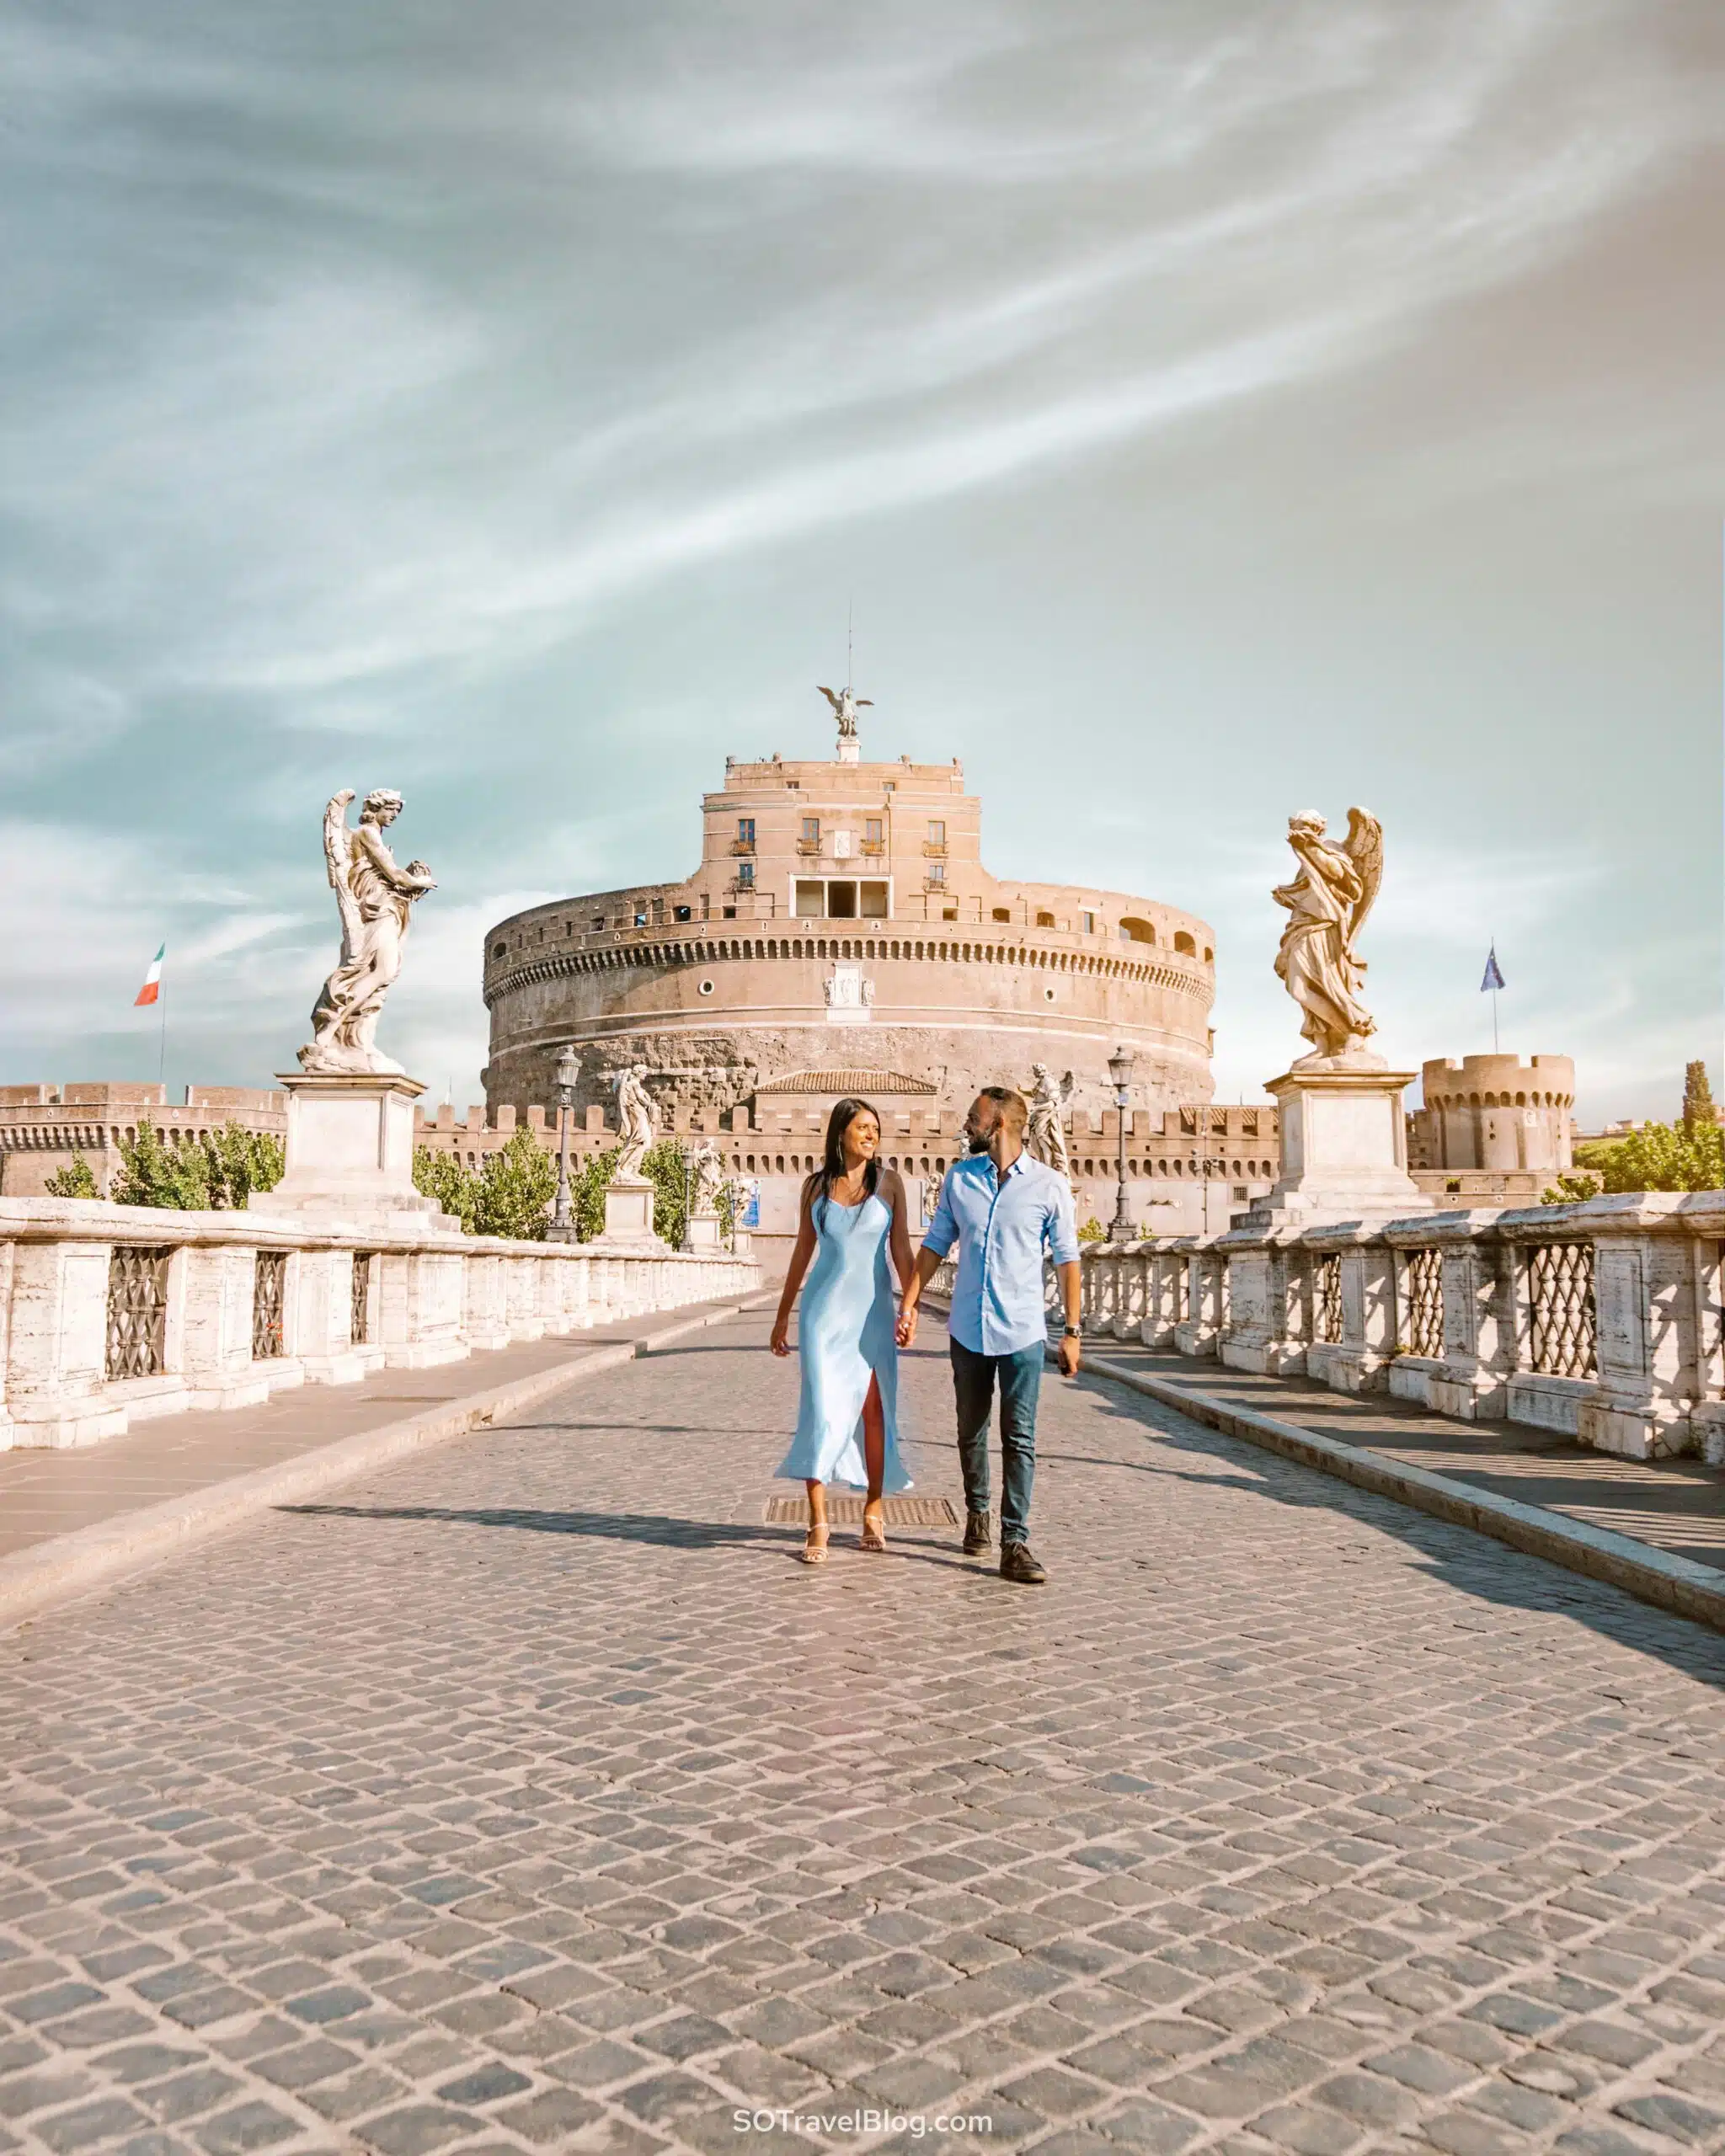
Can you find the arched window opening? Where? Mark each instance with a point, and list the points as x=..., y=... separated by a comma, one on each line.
x=1184, y=944
x=1135, y=930
x=1044, y=921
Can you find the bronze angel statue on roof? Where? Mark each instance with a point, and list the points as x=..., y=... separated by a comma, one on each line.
x=845, y=708
x=1327, y=904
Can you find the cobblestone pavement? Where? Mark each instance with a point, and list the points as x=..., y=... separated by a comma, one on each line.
x=531, y=1796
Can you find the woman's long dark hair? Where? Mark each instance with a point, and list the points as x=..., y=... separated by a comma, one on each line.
x=844, y=1114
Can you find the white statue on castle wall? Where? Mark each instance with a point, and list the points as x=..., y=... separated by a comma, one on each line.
x=634, y=1115
x=1045, y=1134
x=1327, y=904
x=374, y=899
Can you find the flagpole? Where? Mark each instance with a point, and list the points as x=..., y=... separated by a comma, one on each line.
x=1494, y=996
x=162, y=1063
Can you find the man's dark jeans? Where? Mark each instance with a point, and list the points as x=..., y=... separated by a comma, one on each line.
x=973, y=1389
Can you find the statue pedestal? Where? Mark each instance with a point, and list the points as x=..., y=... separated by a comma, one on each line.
x=703, y=1231
x=629, y=1221
x=1344, y=1148
x=350, y=1155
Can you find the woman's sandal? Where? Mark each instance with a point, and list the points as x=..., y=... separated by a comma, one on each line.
x=813, y=1552
x=873, y=1535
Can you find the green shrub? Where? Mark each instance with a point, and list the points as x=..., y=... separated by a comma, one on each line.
x=1663, y=1156
x=1093, y=1231
x=77, y=1180
x=216, y=1172
x=442, y=1176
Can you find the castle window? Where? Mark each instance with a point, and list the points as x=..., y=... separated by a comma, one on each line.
x=683, y=913
x=874, y=896
x=937, y=830
x=499, y=950
x=1134, y=930
x=1208, y=955
x=842, y=902
x=1002, y=913
x=811, y=900
x=727, y=913
x=1048, y=995
x=706, y=988
x=745, y=879
x=1087, y=921
x=872, y=831
x=746, y=830
x=1184, y=944
x=811, y=831
x=1044, y=921
x=640, y=916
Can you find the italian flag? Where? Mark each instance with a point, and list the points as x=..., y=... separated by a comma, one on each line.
x=151, y=989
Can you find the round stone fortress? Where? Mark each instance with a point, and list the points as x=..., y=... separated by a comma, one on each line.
x=842, y=933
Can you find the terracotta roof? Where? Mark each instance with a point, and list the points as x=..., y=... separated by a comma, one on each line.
x=836, y=1082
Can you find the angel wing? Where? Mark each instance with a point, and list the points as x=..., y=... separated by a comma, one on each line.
x=829, y=696
x=1364, y=847
x=863, y=703
x=335, y=856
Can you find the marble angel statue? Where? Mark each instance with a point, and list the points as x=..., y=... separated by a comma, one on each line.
x=634, y=1115
x=1045, y=1135
x=707, y=1179
x=1327, y=903
x=845, y=708
x=375, y=899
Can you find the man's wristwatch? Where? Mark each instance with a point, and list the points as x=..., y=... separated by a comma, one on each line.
x=1072, y=1332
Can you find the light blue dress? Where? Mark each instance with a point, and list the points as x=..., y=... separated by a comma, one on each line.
x=846, y=1335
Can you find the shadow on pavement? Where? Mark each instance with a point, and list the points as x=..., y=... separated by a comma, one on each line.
x=659, y=1529
x=1490, y=1572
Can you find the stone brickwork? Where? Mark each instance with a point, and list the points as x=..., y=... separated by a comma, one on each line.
x=43, y=1128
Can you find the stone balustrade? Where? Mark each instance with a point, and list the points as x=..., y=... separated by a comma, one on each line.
x=1603, y=1322
x=110, y=1313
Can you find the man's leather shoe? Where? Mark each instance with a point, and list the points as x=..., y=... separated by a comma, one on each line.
x=978, y=1533
x=1018, y=1565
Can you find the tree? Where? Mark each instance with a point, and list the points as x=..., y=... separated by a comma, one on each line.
x=664, y=1167
x=1697, y=1098
x=240, y=1161
x=216, y=1171
x=514, y=1191
x=587, y=1187
x=441, y=1176
x=152, y=1172
x=1660, y=1156
x=77, y=1179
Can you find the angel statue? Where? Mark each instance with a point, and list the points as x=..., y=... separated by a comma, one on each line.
x=634, y=1115
x=845, y=708
x=374, y=899
x=1045, y=1135
x=1327, y=903
x=709, y=1176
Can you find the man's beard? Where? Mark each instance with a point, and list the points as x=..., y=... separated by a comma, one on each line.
x=981, y=1144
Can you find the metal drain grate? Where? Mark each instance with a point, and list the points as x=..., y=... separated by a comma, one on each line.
x=848, y=1511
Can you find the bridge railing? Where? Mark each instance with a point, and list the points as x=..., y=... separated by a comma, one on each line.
x=110, y=1313
x=1603, y=1320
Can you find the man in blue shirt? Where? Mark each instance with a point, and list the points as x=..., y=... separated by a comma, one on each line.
x=1003, y=1210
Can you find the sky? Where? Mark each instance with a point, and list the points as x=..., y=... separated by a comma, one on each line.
x=1207, y=413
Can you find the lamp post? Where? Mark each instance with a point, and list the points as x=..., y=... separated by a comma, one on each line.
x=1120, y=1070
x=687, y=1244
x=569, y=1069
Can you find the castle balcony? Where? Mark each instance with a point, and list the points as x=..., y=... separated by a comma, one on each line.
x=808, y=847
x=935, y=849
x=742, y=845
x=871, y=846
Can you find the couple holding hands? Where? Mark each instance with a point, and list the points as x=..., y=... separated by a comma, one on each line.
x=1003, y=1210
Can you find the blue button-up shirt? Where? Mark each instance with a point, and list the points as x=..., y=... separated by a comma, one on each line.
x=1001, y=1226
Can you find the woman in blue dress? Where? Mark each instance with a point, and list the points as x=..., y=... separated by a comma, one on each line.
x=853, y=1214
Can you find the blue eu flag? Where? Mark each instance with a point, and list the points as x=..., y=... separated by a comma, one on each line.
x=1494, y=977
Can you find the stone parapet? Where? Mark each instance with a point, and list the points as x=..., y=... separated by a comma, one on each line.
x=1602, y=1322
x=110, y=1313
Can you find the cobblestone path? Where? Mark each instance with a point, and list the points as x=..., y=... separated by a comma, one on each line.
x=531, y=1796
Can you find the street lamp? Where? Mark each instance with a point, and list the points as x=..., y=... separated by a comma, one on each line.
x=1120, y=1070
x=688, y=1242
x=569, y=1069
